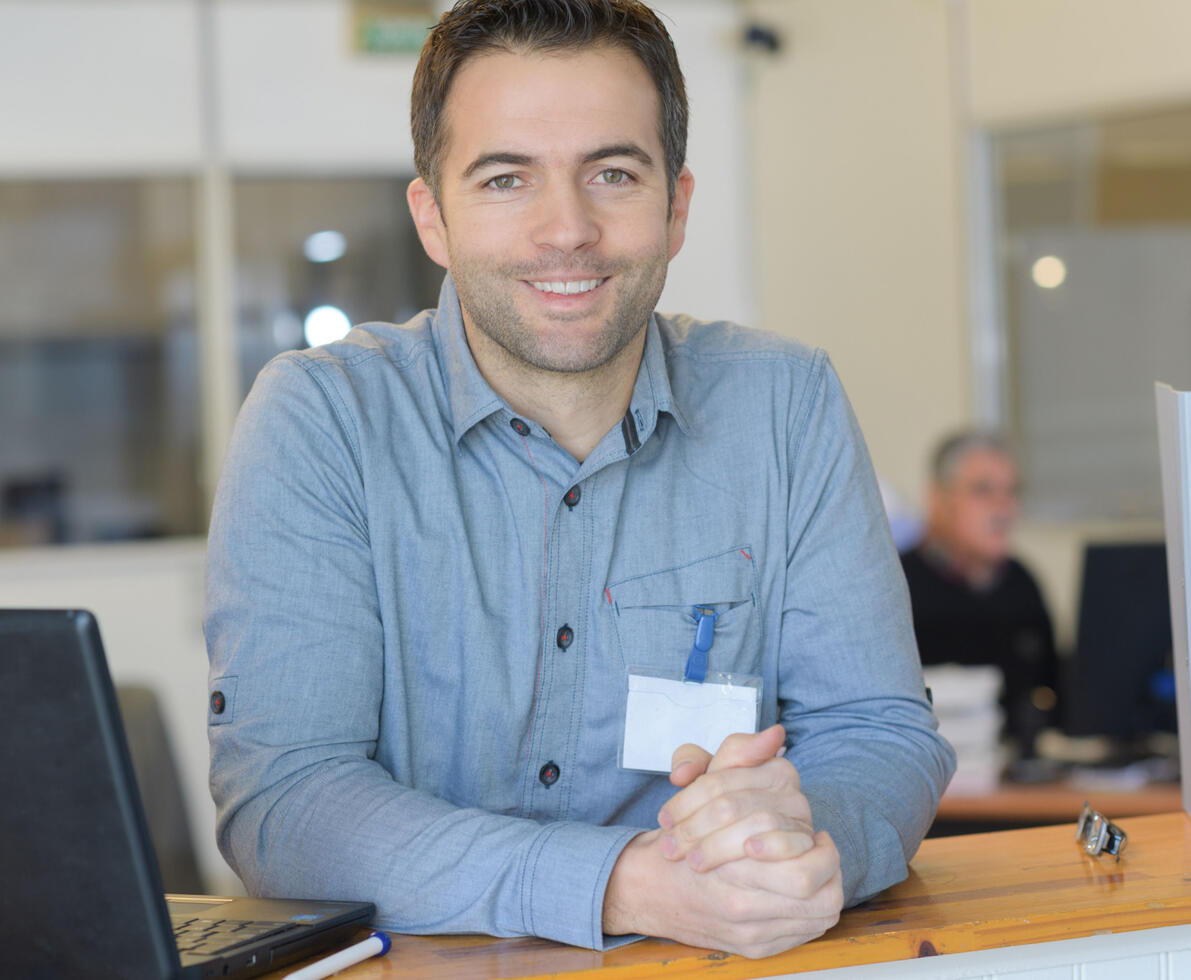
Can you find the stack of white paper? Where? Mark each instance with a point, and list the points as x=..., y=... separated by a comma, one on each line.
x=970, y=718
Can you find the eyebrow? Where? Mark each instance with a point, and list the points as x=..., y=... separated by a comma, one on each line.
x=488, y=159
x=630, y=150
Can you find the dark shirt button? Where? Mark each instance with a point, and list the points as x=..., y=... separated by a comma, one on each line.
x=572, y=497
x=519, y=427
x=564, y=638
x=218, y=702
x=548, y=774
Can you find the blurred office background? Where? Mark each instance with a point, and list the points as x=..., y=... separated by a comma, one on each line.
x=981, y=208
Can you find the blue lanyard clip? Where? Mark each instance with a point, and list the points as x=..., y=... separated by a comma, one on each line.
x=696, y=662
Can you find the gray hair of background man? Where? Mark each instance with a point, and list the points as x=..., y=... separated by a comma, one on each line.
x=473, y=27
x=952, y=450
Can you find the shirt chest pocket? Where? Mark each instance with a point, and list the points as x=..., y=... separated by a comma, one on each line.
x=655, y=614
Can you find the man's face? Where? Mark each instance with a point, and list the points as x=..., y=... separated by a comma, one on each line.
x=553, y=213
x=974, y=513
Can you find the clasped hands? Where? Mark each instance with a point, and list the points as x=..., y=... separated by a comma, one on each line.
x=735, y=863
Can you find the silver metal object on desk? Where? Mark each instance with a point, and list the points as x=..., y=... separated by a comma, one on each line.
x=1098, y=834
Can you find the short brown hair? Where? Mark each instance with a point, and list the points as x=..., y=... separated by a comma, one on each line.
x=474, y=26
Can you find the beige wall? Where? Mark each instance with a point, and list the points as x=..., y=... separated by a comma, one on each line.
x=861, y=192
x=1036, y=60
x=857, y=205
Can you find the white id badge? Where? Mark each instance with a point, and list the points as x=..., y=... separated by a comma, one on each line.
x=664, y=712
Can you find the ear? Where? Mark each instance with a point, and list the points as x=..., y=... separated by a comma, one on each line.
x=684, y=189
x=427, y=219
x=936, y=501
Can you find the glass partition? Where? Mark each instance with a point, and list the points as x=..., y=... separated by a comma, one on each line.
x=98, y=363
x=1095, y=265
x=316, y=254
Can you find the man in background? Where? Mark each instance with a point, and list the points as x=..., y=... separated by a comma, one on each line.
x=973, y=602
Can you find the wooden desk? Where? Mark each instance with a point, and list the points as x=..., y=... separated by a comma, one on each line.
x=980, y=892
x=1049, y=803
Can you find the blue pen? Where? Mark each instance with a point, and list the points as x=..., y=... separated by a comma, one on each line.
x=375, y=945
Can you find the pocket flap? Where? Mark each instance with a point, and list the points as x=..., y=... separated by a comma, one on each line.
x=723, y=578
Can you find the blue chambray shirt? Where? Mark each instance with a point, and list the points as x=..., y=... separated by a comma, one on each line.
x=391, y=563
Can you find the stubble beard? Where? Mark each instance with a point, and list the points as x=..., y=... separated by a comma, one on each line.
x=489, y=297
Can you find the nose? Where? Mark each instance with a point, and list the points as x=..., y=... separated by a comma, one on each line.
x=565, y=218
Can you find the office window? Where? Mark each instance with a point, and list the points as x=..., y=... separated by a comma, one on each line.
x=1095, y=264
x=316, y=254
x=98, y=366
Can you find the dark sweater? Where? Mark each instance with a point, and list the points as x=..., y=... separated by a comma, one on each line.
x=1005, y=625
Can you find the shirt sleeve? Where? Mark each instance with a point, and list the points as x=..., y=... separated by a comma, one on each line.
x=295, y=644
x=851, y=695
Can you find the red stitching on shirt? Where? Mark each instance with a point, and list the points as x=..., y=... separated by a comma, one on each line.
x=746, y=554
x=609, y=595
x=537, y=684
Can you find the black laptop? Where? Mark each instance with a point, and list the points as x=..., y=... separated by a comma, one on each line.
x=80, y=891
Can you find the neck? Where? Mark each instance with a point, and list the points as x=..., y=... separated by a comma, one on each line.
x=978, y=572
x=577, y=409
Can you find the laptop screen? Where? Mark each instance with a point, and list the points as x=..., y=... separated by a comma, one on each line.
x=81, y=895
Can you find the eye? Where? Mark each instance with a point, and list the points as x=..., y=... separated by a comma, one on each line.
x=505, y=182
x=613, y=175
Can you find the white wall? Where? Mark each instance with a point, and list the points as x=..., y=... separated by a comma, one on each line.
x=714, y=275
x=109, y=87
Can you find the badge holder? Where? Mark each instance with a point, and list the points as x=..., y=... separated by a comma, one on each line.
x=664, y=711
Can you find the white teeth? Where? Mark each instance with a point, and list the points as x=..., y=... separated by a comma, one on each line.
x=568, y=288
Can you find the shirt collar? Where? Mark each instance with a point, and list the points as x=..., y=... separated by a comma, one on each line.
x=652, y=392
x=472, y=399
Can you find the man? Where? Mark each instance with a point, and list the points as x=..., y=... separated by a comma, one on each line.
x=973, y=602
x=440, y=551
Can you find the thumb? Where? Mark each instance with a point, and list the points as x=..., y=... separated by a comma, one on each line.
x=688, y=763
x=743, y=750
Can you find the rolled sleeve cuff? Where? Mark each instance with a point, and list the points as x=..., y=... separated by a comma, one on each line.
x=566, y=876
x=872, y=857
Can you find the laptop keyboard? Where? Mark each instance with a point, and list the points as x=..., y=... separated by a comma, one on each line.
x=208, y=937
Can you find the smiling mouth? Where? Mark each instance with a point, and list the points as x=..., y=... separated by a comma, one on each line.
x=571, y=288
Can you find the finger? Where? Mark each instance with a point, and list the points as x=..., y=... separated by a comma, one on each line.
x=744, y=895
x=777, y=845
x=781, y=838
x=777, y=778
x=688, y=762
x=743, y=749
x=750, y=810
x=736, y=927
x=812, y=879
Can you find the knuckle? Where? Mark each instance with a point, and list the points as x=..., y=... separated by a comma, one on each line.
x=837, y=898
x=783, y=770
x=753, y=935
x=798, y=883
x=724, y=809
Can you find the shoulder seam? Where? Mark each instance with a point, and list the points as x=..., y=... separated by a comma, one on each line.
x=801, y=414
x=317, y=373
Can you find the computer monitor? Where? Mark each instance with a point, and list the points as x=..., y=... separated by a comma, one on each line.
x=1122, y=681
